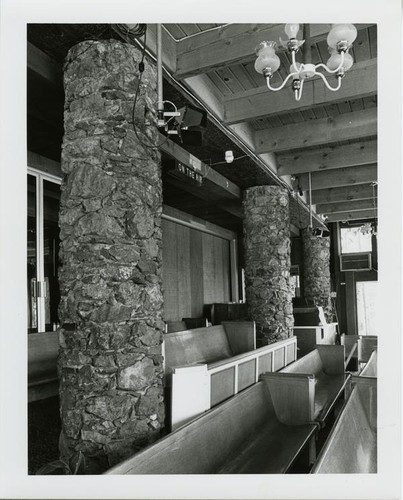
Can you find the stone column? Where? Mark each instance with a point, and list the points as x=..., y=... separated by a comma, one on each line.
x=316, y=275
x=267, y=262
x=110, y=365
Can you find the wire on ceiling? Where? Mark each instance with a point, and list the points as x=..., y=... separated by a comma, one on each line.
x=193, y=34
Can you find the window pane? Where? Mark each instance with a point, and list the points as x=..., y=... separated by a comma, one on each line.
x=354, y=241
x=51, y=202
x=366, y=306
x=31, y=257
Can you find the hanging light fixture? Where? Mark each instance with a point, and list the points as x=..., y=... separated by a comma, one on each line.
x=339, y=39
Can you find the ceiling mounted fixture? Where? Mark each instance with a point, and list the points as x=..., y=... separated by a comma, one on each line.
x=339, y=39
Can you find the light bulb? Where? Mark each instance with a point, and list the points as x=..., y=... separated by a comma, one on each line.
x=341, y=32
x=267, y=57
x=229, y=156
x=291, y=30
x=335, y=60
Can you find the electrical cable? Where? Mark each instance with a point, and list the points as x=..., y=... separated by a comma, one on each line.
x=194, y=34
x=227, y=131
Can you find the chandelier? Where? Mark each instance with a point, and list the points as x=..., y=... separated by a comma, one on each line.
x=339, y=39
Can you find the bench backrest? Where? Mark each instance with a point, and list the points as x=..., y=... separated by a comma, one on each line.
x=185, y=324
x=366, y=344
x=324, y=358
x=201, y=345
x=352, y=444
x=43, y=350
x=203, y=445
x=371, y=368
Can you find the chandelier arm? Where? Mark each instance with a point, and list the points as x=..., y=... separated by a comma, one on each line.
x=333, y=89
x=298, y=93
x=331, y=71
x=282, y=85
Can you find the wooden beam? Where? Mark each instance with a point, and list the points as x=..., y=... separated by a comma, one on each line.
x=232, y=44
x=45, y=66
x=340, y=194
x=231, y=190
x=345, y=206
x=360, y=81
x=362, y=174
x=355, y=215
x=360, y=153
x=347, y=126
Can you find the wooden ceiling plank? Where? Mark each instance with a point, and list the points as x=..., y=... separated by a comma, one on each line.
x=233, y=43
x=342, y=194
x=359, y=82
x=45, y=66
x=372, y=34
x=338, y=177
x=345, y=206
x=317, y=132
x=359, y=153
x=361, y=46
x=355, y=215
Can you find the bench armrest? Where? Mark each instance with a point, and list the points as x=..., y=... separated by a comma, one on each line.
x=293, y=396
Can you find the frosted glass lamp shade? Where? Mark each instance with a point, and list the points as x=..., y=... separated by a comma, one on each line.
x=291, y=30
x=295, y=68
x=335, y=60
x=267, y=57
x=341, y=32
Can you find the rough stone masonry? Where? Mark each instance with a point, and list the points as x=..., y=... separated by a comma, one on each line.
x=110, y=365
x=268, y=261
x=317, y=283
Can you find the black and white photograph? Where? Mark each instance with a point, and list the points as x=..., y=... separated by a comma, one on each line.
x=201, y=245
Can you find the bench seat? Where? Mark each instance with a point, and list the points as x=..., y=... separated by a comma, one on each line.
x=240, y=436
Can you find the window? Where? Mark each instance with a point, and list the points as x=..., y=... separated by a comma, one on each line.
x=353, y=240
x=366, y=295
x=42, y=252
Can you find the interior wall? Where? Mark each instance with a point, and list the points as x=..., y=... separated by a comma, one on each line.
x=195, y=270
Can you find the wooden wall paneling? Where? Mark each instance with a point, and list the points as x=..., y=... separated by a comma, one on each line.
x=226, y=263
x=183, y=266
x=169, y=270
x=196, y=273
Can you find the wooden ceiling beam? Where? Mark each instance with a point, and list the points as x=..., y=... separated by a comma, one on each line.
x=345, y=206
x=232, y=44
x=360, y=153
x=356, y=125
x=43, y=65
x=362, y=174
x=360, y=81
x=355, y=215
x=340, y=194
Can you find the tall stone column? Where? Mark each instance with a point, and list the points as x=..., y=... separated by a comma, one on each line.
x=316, y=275
x=267, y=262
x=110, y=365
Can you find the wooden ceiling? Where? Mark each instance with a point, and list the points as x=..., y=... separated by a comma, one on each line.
x=331, y=136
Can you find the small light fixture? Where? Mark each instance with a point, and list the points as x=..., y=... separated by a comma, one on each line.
x=229, y=156
x=339, y=39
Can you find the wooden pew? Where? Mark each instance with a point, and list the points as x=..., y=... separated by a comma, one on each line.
x=240, y=436
x=308, y=389
x=351, y=344
x=185, y=324
x=371, y=368
x=43, y=350
x=311, y=329
x=205, y=366
x=366, y=345
x=351, y=447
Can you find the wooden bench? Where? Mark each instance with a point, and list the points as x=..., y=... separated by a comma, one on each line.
x=351, y=447
x=366, y=345
x=312, y=385
x=311, y=329
x=205, y=366
x=43, y=350
x=185, y=324
x=371, y=368
x=240, y=436
x=351, y=344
